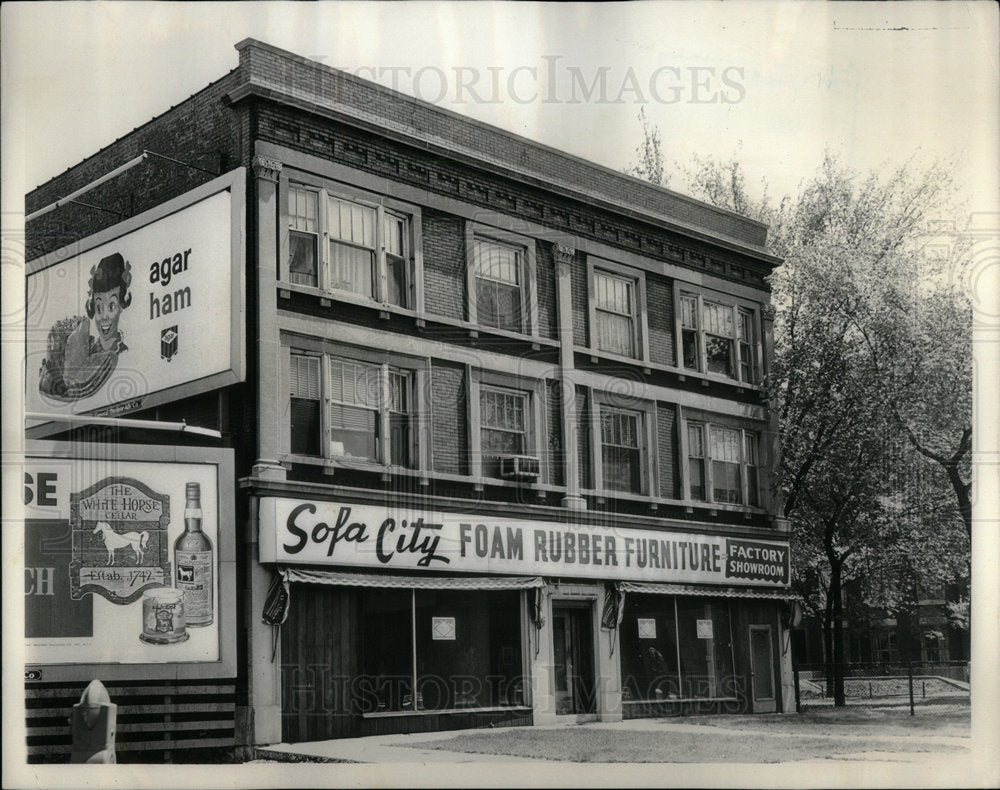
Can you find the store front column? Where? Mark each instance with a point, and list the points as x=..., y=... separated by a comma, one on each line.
x=267, y=172
x=542, y=674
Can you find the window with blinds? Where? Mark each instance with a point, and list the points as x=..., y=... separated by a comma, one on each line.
x=354, y=402
x=615, y=308
x=621, y=450
x=305, y=404
x=356, y=245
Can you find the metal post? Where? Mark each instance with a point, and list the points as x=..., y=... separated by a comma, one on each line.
x=795, y=677
x=909, y=673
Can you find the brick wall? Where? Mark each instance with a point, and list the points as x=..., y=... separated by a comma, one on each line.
x=201, y=131
x=277, y=70
x=444, y=264
x=666, y=419
x=660, y=319
x=449, y=418
x=578, y=296
x=546, y=277
x=390, y=159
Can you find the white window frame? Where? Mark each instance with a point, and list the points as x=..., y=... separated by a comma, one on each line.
x=383, y=206
x=736, y=305
x=707, y=423
x=528, y=276
x=640, y=329
x=535, y=417
x=648, y=455
x=420, y=419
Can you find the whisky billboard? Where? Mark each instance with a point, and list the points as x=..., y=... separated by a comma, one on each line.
x=128, y=560
x=147, y=311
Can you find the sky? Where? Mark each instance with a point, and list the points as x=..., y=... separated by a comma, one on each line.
x=778, y=81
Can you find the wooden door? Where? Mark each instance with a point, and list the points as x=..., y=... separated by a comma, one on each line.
x=762, y=691
x=573, y=657
x=319, y=658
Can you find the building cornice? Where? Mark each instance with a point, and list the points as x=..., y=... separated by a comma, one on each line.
x=279, y=88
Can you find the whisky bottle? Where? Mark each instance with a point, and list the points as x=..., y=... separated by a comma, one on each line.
x=193, y=558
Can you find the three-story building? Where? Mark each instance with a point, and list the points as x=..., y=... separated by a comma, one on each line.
x=502, y=448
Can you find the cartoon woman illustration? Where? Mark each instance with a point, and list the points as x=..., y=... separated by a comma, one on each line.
x=76, y=364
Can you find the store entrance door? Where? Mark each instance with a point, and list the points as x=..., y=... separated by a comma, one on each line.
x=573, y=651
x=762, y=669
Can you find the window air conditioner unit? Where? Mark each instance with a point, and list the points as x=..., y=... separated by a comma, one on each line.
x=520, y=467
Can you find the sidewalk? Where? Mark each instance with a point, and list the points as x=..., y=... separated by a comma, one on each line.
x=400, y=748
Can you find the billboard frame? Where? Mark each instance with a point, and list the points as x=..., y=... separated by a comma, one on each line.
x=226, y=664
x=233, y=182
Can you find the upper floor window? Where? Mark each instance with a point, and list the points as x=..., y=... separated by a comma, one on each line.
x=621, y=449
x=498, y=278
x=718, y=338
x=616, y=303
x=305, y=404
x=362, y=245
x=303, y=233
x=725, y=462
x=615, y=314
x=365, y=411
x=354, y=400
x=503, y=417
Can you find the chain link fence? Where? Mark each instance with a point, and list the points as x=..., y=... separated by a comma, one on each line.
x=885, y=685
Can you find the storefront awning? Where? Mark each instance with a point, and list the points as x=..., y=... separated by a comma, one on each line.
x=715, y=592
x=347, y=579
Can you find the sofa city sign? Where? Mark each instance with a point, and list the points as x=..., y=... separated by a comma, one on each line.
x=294, y=531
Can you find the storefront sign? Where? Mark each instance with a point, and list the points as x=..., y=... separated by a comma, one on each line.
x=146, y=308
x=331, y=533
x=106, y=575
x=704, y=629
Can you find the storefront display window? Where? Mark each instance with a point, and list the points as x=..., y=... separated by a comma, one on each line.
x=467, y=646
x=649, y=649
x=705, y=648
x=675, y=648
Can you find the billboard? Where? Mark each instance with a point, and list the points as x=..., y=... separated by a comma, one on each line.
x=294, y=531
x=129, y=560
x=147, y=311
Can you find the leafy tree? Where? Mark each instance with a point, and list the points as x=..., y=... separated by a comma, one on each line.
x=871, y=380
x=649, y=155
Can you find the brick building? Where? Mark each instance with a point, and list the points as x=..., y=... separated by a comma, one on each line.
x=498, y=425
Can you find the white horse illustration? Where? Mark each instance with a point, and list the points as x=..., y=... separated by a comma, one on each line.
x=116, y=540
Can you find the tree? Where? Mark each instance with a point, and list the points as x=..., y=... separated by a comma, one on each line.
x=871, y=374
x=649, y=155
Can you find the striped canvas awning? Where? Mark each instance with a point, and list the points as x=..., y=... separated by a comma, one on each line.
x=348, y=579
x=715, y=592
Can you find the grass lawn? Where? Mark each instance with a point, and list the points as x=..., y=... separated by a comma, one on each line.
x=579, y=744
x=932, y=718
